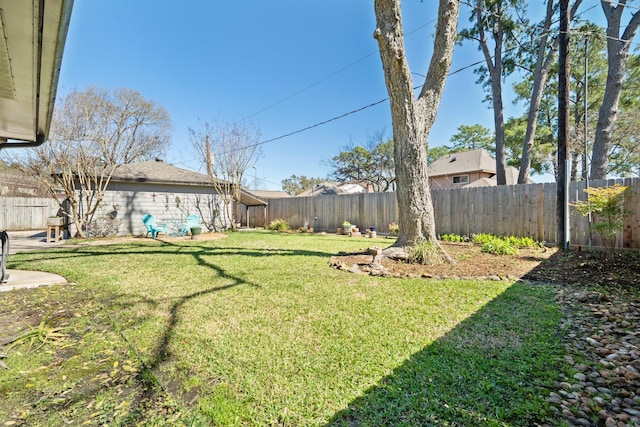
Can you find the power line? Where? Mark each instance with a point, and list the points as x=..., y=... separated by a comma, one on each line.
x=335, y=73
x=357, y=110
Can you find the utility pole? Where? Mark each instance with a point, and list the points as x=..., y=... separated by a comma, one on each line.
x=562, y=211
x=586, y=129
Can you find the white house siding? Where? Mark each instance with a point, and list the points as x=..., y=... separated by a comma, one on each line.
x=129, y=202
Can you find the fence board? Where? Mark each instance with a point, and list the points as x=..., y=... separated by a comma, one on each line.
x=26, y=213
x=519, y=210
x=522, y=210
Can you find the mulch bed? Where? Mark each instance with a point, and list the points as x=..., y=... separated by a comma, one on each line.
x=546, y=264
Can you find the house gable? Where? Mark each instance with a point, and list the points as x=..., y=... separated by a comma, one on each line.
x=467, y=169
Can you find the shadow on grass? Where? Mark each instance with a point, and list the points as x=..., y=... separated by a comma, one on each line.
x=164, y=248
x=492, y=369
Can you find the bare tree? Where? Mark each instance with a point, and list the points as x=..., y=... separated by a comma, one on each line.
x=413, y=117
x=617, y=55
x=227, y=150
x=92, y=133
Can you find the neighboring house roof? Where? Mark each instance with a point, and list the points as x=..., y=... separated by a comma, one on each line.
x=328, y=188
x=249, y=198
x=473, y=161
x=270, y=194
x=159, y=172
x=18, y=184
x=463, y=162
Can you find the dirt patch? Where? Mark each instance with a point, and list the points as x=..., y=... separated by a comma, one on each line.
x=540, y=264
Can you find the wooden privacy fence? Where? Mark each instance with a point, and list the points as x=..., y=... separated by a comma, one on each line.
x=515, y=210
x=26, y=213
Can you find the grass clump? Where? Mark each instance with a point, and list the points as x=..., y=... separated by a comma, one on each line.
x=425, y=253
x=279, y=225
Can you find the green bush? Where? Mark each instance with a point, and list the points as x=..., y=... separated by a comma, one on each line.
x=482, y=238
x=606, y=206
x=279, y=225
x=498, y=246
x=526, y=242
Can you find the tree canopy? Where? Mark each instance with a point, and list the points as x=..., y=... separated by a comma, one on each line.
x=295, y=185
x=372, y=165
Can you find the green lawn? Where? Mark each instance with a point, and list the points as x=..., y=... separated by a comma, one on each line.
x=257, y=329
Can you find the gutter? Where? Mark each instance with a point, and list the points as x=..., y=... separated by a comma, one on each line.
x=46, y=82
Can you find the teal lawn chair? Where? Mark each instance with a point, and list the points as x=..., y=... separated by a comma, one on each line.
x=150, y=222
x=192, y=221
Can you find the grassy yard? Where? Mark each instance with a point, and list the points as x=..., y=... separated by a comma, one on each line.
x=257, y=329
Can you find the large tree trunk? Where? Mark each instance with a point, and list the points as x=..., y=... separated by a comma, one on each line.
x=412, y=118
x=617, y=55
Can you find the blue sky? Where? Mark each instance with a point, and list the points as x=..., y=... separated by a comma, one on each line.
x=284, y=65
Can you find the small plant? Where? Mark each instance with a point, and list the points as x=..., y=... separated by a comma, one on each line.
x=608, y=213
x=482, y=238
x=453, y=238
x=394, y=228
x=524, y=242
x=42, y=334
x=498, y=246
x=346, y=225
x=279, y=225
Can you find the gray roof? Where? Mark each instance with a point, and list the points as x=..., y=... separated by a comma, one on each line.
x=270, y=194
x=158, y=172
x=463, y=162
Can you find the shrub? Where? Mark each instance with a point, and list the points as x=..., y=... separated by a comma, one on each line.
x=105, y=226
x=278, y=225
x=498, y=246
x=608, y=213
x=482, y=238
x=525, y=242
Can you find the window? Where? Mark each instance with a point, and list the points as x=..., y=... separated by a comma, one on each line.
x=460, y=179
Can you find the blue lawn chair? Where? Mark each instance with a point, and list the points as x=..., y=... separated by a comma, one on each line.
x=150, y=222
x=192, y=221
